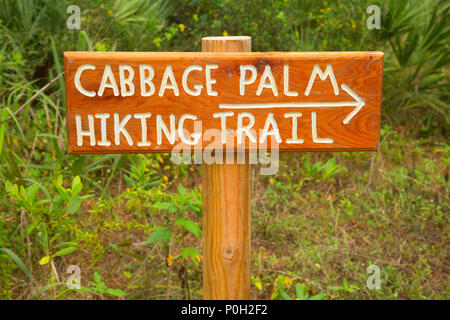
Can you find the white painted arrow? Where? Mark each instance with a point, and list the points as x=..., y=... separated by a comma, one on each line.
x=358, y=103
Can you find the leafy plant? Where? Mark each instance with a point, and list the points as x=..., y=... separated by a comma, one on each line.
x=416, y=68
x=320, y=171
x=301, y=292
x=98, y=286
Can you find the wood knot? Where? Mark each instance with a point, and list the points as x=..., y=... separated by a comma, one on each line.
x=229, y=252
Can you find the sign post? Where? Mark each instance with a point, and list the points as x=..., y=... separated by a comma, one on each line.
x=226, y=212
x=224, y=98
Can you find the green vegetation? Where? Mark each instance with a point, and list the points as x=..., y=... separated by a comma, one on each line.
x=132, y=223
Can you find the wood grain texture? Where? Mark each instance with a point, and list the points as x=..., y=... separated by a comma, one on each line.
x=226, y=214
x=360, y=71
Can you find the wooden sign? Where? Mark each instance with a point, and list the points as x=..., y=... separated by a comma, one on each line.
x=153, y=102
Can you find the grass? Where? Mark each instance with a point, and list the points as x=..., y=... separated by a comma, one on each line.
x=396, y=221
x=322, y=234
x=132, y=223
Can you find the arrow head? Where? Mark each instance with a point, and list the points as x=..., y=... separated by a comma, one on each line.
x=360, y=103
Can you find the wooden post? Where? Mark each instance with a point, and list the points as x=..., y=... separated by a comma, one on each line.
x=226, y=212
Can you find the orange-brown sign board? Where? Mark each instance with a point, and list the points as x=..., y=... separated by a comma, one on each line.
x=138, y=102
